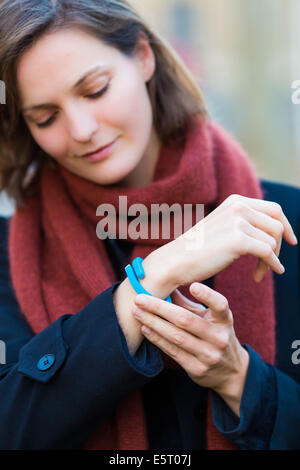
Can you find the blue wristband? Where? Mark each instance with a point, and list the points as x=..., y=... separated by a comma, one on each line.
x=137, y=272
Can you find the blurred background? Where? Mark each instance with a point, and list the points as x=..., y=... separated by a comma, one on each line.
x=245, y=55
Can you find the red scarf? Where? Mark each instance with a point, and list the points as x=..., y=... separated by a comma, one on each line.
x=58, y=264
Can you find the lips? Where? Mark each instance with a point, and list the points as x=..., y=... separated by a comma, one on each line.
x=98, y=150
x=102, y=153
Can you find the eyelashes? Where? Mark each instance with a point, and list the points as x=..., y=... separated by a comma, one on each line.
x=93, y=96
x=46, y=123
x=99, y=93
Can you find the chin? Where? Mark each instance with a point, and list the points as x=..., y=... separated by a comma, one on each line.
x=111, y=179
x=107, y=176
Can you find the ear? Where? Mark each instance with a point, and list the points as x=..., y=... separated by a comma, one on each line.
x=145, y=57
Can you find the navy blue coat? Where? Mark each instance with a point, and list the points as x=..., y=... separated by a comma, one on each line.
x=50, y=405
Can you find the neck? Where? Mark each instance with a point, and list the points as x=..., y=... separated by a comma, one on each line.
x=143, y=173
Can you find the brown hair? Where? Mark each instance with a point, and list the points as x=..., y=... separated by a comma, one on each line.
x=173, y=91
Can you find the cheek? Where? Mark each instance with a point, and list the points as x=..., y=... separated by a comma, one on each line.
x=129, y=107
x=52, y=142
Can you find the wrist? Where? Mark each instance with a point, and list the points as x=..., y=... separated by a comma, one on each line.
x=160, y=273
x=123, y=299
x=231, y=391
x=182, y=262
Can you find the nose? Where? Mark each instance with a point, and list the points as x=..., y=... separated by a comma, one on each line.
x=82, y=124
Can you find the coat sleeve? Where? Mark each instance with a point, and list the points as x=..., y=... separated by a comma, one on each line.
x=286, y=433
x=253, y=429
x=270, y=410
x=57, y=386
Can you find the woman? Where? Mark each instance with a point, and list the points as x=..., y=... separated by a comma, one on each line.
x=100, y=106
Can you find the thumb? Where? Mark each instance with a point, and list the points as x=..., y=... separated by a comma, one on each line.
x=217, y=304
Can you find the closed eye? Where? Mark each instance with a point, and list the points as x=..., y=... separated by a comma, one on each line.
x=92, y=97
x=99, y=93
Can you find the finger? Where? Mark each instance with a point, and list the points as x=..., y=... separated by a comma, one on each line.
x=274, y=241
x=264, y=251
x=260, y=271
x=262, y=268
x=278, y=248
x=213, y=299
x=275, y=211
x=262, y=236
x=179, y=299
x=178, y=338
x=186, y=360
x=178, y=316
x=264, y=222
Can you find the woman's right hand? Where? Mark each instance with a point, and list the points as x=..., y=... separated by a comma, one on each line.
x=237, y=227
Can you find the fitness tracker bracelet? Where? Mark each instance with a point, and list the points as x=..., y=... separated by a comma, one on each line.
x=136, y=272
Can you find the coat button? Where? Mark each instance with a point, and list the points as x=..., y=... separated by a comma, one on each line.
x=46, y=362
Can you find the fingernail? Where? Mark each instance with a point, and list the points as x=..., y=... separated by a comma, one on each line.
x=146, y=330
x=282, y=269
x=141, y=299
x=137, y=312
x=196, y=289
x=295, y=239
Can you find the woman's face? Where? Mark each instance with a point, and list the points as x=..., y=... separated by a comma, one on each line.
x=79, y=116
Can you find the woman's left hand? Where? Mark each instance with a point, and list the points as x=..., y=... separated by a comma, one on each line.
x=201, y=340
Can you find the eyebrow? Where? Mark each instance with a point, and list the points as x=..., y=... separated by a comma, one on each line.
x=99, y=69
